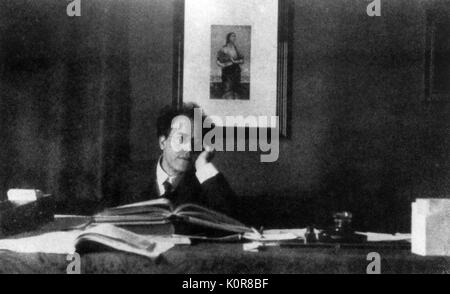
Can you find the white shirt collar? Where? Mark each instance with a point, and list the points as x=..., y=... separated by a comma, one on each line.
x=162, y=176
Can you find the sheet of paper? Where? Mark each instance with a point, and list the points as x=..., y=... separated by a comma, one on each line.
x=257, y=246
x=270, y=237
x=54, y=242
x=379, y=237
x=296, y=232
x=252, y=246
x=276, y=235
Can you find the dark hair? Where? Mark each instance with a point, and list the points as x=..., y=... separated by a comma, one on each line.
x=168, y=113
x=228, y=37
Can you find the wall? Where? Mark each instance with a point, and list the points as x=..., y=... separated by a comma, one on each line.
x=362, y=138
x=65, y=98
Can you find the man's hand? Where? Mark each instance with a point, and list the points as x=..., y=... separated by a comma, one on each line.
x=205, y=157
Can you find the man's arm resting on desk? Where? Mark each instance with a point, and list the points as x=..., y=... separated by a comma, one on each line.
x=216, y=191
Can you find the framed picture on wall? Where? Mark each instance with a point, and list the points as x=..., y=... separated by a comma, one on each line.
x=230, y=62
x=233, y=59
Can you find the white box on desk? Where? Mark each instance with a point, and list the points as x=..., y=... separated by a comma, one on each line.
x=430, y=227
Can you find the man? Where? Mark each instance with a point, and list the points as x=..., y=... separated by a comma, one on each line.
x=181, y=174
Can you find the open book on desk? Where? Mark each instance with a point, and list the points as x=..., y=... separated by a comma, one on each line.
x=161, y=217
x=104, y=237
x=94, y=238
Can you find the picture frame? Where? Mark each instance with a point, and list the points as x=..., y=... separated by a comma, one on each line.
x=252, y=77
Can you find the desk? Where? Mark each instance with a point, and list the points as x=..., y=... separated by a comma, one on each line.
x=230, y=259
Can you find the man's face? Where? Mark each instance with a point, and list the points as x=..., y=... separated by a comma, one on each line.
x=177, y=148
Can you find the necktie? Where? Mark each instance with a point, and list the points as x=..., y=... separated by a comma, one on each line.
x=168, y=189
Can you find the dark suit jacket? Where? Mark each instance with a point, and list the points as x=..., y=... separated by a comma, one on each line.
x=215, y=193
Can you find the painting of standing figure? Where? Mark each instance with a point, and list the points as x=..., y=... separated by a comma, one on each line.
x=230, y=62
